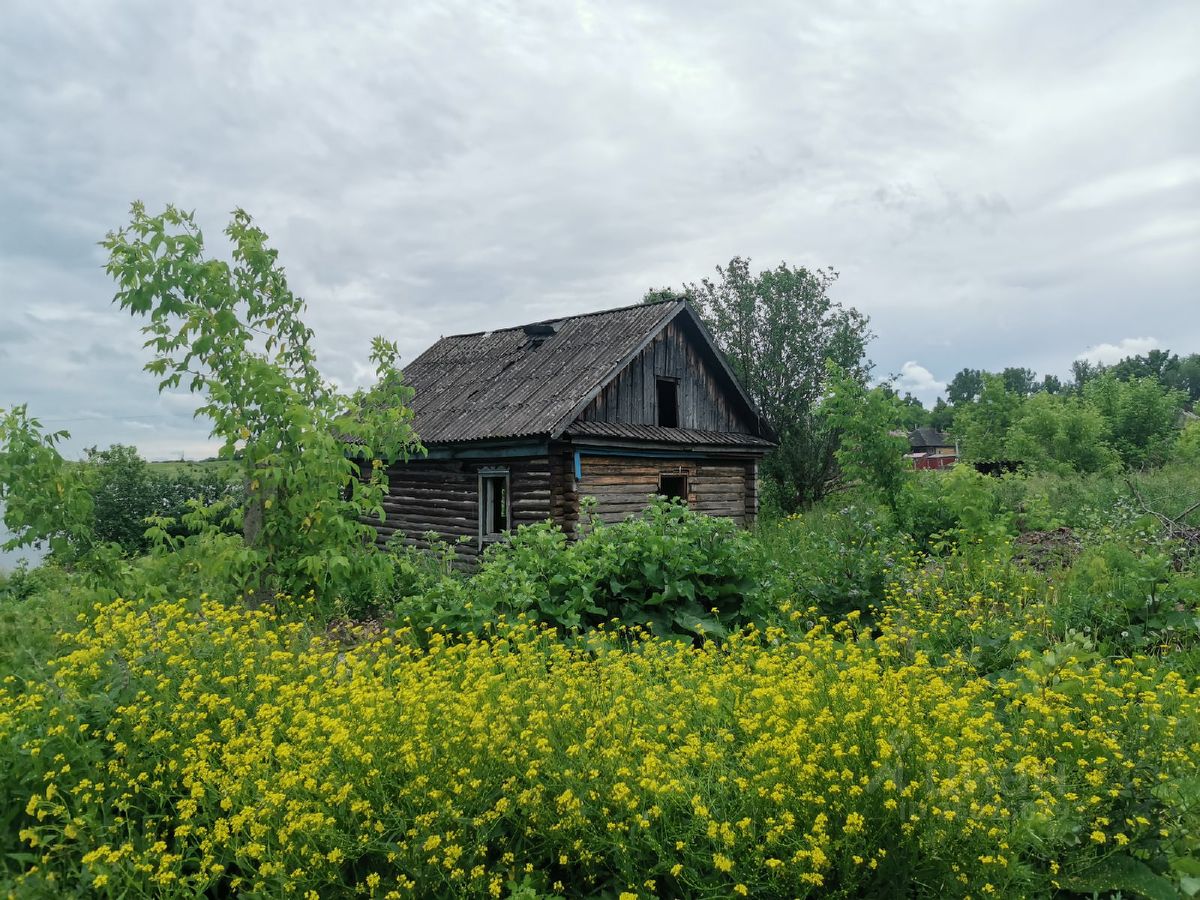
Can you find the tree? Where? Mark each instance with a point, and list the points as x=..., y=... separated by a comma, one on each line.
x=1140, y=414
x=1156, y=364
x=46, y=500
x=1185, y=376
x=913, y=412
x=941, y=416
x=869, y=452
x=1057, y=433
x=1083, y=371
x=983, y=426
x=777, y=329
x=1051, y=384
x=1020, y=381
x=965, y=387
x=233, y=333
x=123, y=495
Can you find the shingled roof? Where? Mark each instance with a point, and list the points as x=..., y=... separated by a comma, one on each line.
x=929, y=437
x=532, y=380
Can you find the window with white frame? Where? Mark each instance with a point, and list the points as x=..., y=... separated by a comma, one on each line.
x=494, y=503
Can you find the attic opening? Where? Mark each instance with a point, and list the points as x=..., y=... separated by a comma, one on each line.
x=539, y=332
x=668, y=402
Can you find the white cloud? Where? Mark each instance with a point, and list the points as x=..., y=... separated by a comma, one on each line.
x=1107, y=354
x=920, y=382
x=440, y=166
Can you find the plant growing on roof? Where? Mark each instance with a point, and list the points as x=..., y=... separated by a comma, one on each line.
x=234, y=334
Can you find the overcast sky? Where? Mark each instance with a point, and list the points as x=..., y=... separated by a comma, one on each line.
x=1004, y=183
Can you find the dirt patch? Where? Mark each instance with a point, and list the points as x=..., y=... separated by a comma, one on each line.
x=1045, y=550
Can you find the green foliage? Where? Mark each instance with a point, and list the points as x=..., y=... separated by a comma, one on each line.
x=36, y=604
x=869, y=453
x=941, y=416
x=1187, y=447
x=127, y=491
x=833, y=559
x=965, y=387
x=658, y=295
x=939, y=509
x=984, y=425
x=234, y=335
x=1020, y=381
x=1063, y=433
x=1141, y=416
x=46, y=501
x=671, y=570
x=777, y=329
x=1168, y=369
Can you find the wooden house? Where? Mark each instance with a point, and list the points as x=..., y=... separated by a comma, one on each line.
x=932, y=449
x=521, y=423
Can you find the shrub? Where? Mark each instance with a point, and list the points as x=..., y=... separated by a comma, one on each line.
x=126, y=491
x=672, y=570
x=838, y=559
x=190, y=747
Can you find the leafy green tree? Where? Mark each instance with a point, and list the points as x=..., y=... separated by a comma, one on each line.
x=1141, y=415
x=1171, y=371
x=233, y=333
x=983, y=426
x=777, y=329
x=47, y=501
x=1051, y=384
x=965, y=387
x=126, y=492
x=870, y=452
x=1156, y=364
x=1083, y=371
x=1055, y=433
x=1020, y=381
x=912, y=412
x=941, y=416
x=1185, y=376
x=123, y=495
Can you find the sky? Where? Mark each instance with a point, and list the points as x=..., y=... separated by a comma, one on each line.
x=997, y=183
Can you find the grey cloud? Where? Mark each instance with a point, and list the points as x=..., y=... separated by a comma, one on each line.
x=997, y=184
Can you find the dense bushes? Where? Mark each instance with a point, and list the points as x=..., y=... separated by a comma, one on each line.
x=126, y=491
x=670, y=569
x=886, y=701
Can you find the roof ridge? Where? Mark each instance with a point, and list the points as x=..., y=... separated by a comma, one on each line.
x=585, y=315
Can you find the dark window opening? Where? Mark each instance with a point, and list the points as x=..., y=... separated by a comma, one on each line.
x=493, y=504
x=673, y=487
x=668, y=402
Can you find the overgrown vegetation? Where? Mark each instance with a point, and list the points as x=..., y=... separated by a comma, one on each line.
x=963, y=715
x=931, y=684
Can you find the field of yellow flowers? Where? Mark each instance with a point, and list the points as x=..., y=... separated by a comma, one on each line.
x=192, y=747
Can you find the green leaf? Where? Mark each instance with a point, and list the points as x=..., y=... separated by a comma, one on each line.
x=1122, y=873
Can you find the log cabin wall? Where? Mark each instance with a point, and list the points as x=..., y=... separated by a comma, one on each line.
x=704, y=403
x=622, y=485
x=442, y=496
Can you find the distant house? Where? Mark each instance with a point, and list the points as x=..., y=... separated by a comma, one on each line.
x=521, y=423
x=931, y=449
